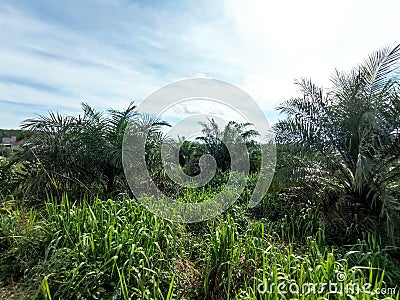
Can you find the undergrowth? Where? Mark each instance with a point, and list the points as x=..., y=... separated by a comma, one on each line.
x=119, y=250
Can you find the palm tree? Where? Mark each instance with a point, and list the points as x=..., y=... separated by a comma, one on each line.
x=79, y=154
x=215, y=140
x=189, y=155
x=344, y=145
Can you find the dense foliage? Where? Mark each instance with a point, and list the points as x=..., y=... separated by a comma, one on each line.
x=344, y=146
x=331, y=216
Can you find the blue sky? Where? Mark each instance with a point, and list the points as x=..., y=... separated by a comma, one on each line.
x=56, y=54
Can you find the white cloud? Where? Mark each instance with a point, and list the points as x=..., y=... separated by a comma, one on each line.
x=60, y=55
x=294, y=39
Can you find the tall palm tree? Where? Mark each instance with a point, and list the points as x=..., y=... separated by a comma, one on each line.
x=345, y=144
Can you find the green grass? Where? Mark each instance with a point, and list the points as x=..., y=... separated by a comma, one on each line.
x=119, y=250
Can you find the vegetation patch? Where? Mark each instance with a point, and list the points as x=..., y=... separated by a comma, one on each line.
x=328, y=228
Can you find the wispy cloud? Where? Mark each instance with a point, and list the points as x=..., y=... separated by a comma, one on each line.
x=54, y=55
x=16, y=112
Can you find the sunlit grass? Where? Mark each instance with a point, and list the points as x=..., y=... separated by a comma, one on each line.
x=119, y=250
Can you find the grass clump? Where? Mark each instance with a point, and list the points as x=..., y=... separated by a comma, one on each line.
x=107, y=249
x=119, y=250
